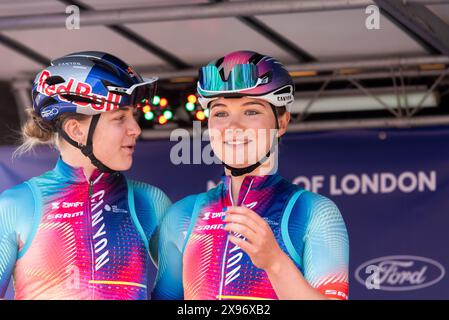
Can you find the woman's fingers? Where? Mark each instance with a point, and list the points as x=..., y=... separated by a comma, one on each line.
x=245, y=218
x=243, y=230
x=243, y=244
x=260, y=243
x=242, y=219
x=246, y=212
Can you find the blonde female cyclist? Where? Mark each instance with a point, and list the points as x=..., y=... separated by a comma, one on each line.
x=82, y=230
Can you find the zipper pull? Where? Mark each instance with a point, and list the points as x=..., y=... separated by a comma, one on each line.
x=91, y=188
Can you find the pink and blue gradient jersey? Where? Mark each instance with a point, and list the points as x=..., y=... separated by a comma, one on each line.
x=65, y=237
x=197, y=261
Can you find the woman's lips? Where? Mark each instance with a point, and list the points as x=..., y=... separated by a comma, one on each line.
x=128, y=149
x=237, y=142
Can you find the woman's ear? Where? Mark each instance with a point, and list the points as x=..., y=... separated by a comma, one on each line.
x=76, y=130
x=283, y=123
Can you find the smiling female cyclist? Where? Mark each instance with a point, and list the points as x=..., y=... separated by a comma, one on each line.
x=256, y=235
x=82, y=230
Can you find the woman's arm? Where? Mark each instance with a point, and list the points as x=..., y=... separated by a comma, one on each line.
x=289, y=283
x=17, y=220
x=264, y=251
x=326, y=247
x=168, y=284
x=151, y=205
x=8, y=240
x=324, y=263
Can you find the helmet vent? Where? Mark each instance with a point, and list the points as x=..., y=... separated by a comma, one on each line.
x=48, y=101
x=107, y=83
x=76, y=98
x=54, y=80
x=219, y=62
x=283, y=91
x=104, y=65
x=267, y=77
x=255, y=59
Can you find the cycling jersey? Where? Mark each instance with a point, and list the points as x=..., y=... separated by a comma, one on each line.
x=197, y=260
x=63, y=236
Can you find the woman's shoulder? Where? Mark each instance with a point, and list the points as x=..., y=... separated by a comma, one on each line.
x=302, y=196
x=185, y=205
x=314, y=205
x=143, y=189
x=17, y=208
x=16, y=196
x=314, y=198
x=148, y=198
x=190, y=201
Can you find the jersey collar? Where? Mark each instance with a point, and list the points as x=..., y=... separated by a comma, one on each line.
x=76, y=174
x=251, y=183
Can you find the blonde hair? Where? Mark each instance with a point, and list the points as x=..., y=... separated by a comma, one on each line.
x=36, y=131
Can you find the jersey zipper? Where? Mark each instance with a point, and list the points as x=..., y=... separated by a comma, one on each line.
x=223, y=262
x=90, y=193
x=91, y=188
x=92, y=256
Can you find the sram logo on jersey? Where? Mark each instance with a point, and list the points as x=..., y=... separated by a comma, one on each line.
x=210, y=227
x=104, y=103
x=66, y=215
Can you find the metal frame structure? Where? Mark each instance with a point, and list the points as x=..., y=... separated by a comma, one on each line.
x=411, y=15
x=263, y=29
x=188, y=12
x=163, y=54
x=419, y=22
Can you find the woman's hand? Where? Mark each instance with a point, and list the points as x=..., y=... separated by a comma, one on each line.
x=260, y=243
x=265, y=253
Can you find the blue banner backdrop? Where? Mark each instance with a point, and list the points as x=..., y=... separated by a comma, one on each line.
x=391, y=186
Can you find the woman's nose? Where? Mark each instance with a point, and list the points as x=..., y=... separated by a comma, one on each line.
x=235, y=123
x=134, y=128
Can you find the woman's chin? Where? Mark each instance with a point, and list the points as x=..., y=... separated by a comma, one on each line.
x=237, y=165
x=241, y=163
x=123, y=165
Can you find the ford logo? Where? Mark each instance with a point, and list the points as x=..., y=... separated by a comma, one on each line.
x=399, y=273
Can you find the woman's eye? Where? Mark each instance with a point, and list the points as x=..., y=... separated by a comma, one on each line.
x=220, y=114
x=121, y=118
x=251, y=112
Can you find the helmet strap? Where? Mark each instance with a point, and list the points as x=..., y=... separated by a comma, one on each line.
x=87, y=150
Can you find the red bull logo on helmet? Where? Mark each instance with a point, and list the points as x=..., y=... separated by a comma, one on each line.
x=100, y=103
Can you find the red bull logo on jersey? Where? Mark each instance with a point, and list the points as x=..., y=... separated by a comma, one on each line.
x=99, y=102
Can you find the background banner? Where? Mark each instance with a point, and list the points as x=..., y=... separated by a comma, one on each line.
x=392, y=187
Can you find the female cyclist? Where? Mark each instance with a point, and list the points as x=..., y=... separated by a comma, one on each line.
x=256, y=235
x=82, y=230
